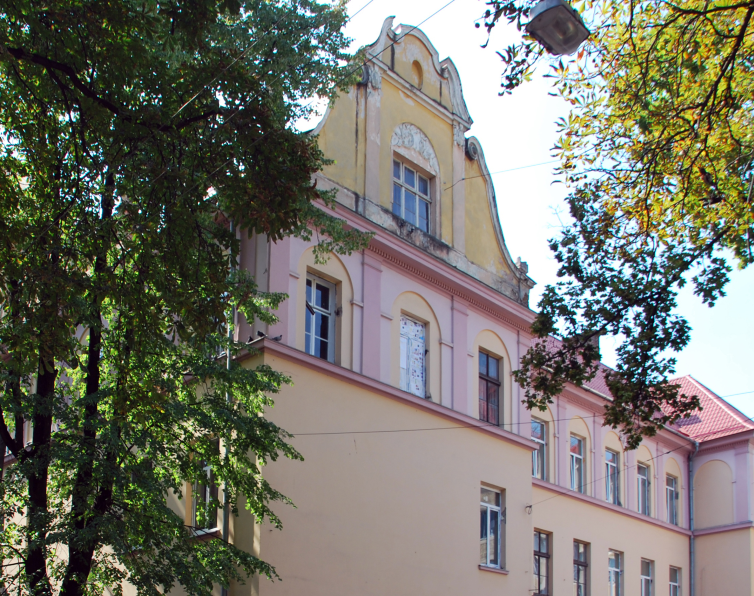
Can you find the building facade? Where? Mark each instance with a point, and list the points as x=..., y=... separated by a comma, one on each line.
x=423, y=472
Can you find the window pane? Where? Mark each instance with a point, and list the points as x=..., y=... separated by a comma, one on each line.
x=409, y=177
x=493, y=408
x=494, y=516
x=396, y=169
x=423, y=216
x=579, y=475
x=483, y=536
x=323, y=297
x=320, y=348
x=642, y=470
x=611, y=457
x=537, y=431
x=323, y=326
x=409, y=211
x=483, y=363
x=424, y=186
x=490, y=497
x=397, y=203
x=576, y=445
x=646, y=568
x=483, y=415
x=543, y=543
x=493, y=367
x=673, y=575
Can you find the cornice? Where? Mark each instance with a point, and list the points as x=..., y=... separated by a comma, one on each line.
x=609, y=506
x=729, y=528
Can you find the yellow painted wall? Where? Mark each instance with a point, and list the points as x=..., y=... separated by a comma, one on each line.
x=713, y=495
x=342, y=139
x=724, y=563
x=570, y=519
x=411, y=49
x=481, y=241
x=387, y=513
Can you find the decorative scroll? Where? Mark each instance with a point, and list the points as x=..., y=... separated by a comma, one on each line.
x=409, y=136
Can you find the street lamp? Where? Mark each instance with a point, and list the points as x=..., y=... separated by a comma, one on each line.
x=557, y=26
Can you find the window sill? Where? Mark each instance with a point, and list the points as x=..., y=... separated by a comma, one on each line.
x=493, y=569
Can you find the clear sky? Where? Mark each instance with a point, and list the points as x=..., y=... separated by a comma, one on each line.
x=517, y=131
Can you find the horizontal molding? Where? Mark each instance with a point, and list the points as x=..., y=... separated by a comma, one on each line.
x=727, y=528
x=609, y=506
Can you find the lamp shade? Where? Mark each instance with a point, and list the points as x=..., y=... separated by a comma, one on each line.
x=557, y=26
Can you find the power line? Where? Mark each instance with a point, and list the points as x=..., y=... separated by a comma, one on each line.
x=534, y=165
x=411, y=430
x=736, y=394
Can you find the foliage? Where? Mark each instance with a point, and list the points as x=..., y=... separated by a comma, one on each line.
x=132, y=134
x=659, y=153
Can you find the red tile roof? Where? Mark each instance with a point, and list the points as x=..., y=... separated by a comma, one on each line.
x=717, y=417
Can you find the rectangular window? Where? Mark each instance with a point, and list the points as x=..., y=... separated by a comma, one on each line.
x=577, y=464
x=320, y=318
x=411, y=196
x=612, y=478
x=642, y=484
x=205, y=501
x=489, y=389
x=539, y=455
x=615, y=573
x=413, y=357
x=646, y=578
x=675, y=581
x=671, y=499
x=491, y=529
x=580, y=567
x=541, y=564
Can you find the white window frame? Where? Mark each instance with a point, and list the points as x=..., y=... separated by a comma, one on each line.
x=542, y=557
x=675, y=586
x=671, y=499
x=646, y=580
x=312, y=310
x=493, y=511
x=409, y=345
x=580, y=488
x=643, y=484
x=539, y=455
x=579, y=566
x=402, y=186
x=612, y=478
x=615, y=573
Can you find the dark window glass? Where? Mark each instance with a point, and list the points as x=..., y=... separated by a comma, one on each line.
x=489, y=389
x=541, y=564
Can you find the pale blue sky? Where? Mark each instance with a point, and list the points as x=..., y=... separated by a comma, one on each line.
x=518, y=131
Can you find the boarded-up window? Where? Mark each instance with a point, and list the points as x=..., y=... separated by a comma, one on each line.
x=413, y=357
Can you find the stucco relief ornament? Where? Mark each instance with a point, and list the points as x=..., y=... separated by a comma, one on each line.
x=458, y=134
x=409, y=136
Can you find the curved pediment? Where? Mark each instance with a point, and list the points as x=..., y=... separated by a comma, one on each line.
x=403, y=161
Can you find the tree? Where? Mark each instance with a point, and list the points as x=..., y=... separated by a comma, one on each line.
x=137, y=137
x=658, y=152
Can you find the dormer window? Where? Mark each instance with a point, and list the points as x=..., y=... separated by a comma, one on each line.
x=411, y=198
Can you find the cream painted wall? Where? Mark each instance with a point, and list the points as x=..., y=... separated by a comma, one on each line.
x=394, y=513
x=569, y=519
x=713, y=491
x=724, y=563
